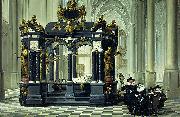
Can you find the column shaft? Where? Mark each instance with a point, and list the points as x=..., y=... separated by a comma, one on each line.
x=51, y=65
x=43, y=65
x=57, y=64
x=150, y=36
x=2, y=93
x=70, y=66
x=37, y=66
x=150, y=74
x=132, y=50
x=101, y=66
x=140, y=42
x=171, y=73
x=171, y=56
x=74, y=64
x=94, y=66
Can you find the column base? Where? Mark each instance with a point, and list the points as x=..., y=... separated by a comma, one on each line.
x=139, y=77
x=171, y=83
x=150, y=79
x=2, y=91
x=97, y=94
x=70, y=90
x=13, y=81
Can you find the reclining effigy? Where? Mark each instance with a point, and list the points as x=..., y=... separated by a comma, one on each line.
x=140, y=101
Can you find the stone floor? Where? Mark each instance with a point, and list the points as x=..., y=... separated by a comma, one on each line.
x=10, y=107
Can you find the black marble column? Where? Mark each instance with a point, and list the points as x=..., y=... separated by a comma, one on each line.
x=100, y=66
x=2, y=92
x=94, y=66
x=113, y=70
x=74, y=64
x=32, y=66
x=43, y=65
x=51, y=65
x=70, y=66
x=37, y=66
x=57, y=64
x=97, y=65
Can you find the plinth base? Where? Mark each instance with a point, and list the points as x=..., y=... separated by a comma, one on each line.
x=140, y=77
x=171, y=83
x=97, y=94
x=150, y=79
x=2, y=92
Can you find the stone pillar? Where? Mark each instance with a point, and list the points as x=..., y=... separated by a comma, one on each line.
x=132, y=51
x=131, y=47
x=2, y=92
x=51, y=65
x=101, y=69
x=171, y=73
x=57, y=64
x=61, y=62
x=150, y=44
x=140, y=42
x=74, y=64
x=94, y=66
x=38, y=67
x=13, y=22
x=69, y=66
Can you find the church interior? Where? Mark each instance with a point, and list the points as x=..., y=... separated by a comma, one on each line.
x=73, y=53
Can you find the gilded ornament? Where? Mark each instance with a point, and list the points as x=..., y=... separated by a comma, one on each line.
x=69, y=28
x=24, y=29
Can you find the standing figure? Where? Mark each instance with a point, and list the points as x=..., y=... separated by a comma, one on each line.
x=108, y=62
x=130, y=90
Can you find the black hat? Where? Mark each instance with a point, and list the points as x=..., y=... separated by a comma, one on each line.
x=157, y=86
x=130, y=78
x=150, y=89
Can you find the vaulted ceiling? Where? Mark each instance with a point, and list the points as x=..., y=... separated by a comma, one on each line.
x=120, y=10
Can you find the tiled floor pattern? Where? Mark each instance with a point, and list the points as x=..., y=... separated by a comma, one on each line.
x=11, y=108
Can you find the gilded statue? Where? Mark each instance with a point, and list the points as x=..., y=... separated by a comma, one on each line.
x=69, y=27
x=34, y=25
x=112, y=24
x=82, y=12
x=33, y=21
x=24, y=64
x=71, y=5
x=24, y=27
x=60, y=12
x=108, y=61
x=57, y=26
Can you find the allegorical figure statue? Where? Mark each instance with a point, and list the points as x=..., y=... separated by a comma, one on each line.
x=71, y=5
x=108, y=62
x=24, y=27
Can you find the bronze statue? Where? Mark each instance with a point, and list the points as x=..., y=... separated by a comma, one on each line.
x=108, y=61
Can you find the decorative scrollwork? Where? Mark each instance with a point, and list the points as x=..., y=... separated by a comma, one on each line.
x=24, y=64
x=69, y=27
x=72, y=12
x=30, y=24
x=23, y=91
x=57, y=26
x=24, y=28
